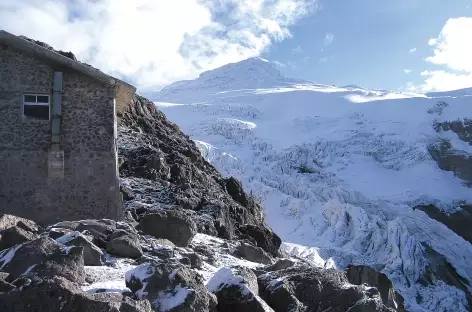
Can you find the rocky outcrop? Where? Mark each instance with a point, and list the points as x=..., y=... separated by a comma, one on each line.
x=237, y=291
x=155, y=155
x=252, y=253
x=125, y=246
x=59, y=294
x=458, y=221
x=306, y=288
x=170, y=286
x=92, y=254
x=43, y=257
x=359, y=274
x=173, y=225
x=447, y=157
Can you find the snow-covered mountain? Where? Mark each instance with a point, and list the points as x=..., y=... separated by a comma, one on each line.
x=347, y=175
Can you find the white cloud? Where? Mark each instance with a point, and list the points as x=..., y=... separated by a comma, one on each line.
x=297, y=50
x=452, y=50
x=323, y=59
x=413, y=50
x=153, y=42
x=407, y=71
x=329, y=37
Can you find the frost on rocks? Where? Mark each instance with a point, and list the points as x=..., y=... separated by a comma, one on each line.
x=172, y=299
x=339, y=170
x=222, y=278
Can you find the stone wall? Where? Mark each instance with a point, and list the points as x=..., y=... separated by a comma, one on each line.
x=90, y=187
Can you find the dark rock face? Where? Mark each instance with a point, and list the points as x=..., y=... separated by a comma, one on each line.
x=304, y=288
x=172, y=225
x=359, y=274
x=170, y=286
x=439, y=268
x=447, y=157
x=262, y=237
x=459, y=221
x=155, y=155
x=13, y=236
x=92, y=254
x=237, y=291
x=58, y=294
x=252, y=253
x=45, y=258
x=125, y=246
x=281, y=264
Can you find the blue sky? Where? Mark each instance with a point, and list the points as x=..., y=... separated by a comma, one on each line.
x=371, y=42
x=153, y=43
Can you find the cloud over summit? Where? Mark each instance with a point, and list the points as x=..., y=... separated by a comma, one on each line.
x=153, y=43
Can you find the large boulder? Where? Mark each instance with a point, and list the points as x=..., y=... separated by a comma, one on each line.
x=170, y=287
x=127, y=246
x=173, y=225
x=15, y=235
x=43, y=257
x=237, y=291
x=57, y=294
x=306, y=288
x=92, y=254
x=8, y=221
x=263, y=237
x=360, y=274
x=252, y=253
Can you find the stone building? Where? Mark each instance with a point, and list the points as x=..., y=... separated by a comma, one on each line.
x=58, y=127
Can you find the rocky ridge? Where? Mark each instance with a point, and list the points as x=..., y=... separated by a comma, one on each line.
x=192, y=240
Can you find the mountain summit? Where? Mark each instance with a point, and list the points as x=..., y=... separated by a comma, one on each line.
x=347, y=175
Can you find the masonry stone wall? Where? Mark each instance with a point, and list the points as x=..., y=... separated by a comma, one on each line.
x=90, y=187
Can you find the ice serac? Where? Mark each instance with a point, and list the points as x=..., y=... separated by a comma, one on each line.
x=347, y=175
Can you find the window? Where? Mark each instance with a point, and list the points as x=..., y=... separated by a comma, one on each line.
x=36, y=106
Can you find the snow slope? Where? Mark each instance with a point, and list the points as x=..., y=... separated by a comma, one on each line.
x=338, y=170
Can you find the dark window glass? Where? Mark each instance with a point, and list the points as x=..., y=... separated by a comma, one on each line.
x=36, y=111
x=43, y=99
x=30, y=98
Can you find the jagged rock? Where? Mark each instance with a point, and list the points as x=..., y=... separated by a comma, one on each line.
x=458, y=221
x=69, y=263
x=127, y=192
x=163, y=252
x=263, y=237
x=237, y=291
x=92, y=254
x=58, y=232
x=306, y=288
x=125, y=246
x=14, y=236
x=8, y=221
x=58, y=294
x=170, y=286
x=45, y=258
x=252, y=253
x=360, y=274
x=172, y=225
x=104, y=226
x=196, y=261
x=281, y=264
x=158, y=157
x=437, y=267
x=235, y=190
x=118, y=233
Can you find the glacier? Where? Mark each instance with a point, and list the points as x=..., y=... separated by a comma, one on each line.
x=339, y=170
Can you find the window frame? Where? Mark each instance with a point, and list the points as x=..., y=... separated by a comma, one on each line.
x=35, y=94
